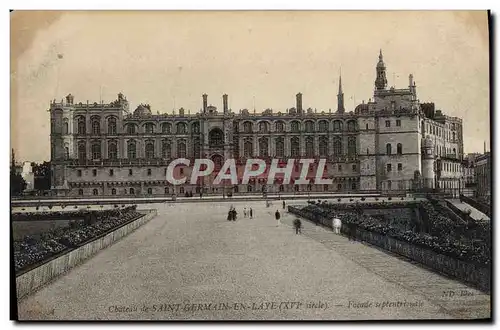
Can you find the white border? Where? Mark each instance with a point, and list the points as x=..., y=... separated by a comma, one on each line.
x=200, y=4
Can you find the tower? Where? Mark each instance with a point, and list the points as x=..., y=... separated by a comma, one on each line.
x=428, y=173
x=381, y=81
x=224, y=104
x=298, y=99
x=340, y=97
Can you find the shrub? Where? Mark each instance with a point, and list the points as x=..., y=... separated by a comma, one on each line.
x=75, y=207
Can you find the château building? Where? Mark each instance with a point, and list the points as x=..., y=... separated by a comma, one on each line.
x=390, y=143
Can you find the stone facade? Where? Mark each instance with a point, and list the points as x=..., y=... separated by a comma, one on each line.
x=105, y=149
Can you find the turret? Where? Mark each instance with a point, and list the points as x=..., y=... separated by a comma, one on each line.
x=381, y=81
x=299, y=103
x=205, y=102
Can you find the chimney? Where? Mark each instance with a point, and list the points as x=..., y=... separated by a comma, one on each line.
x=205, y=102
x=224, y=103
x=299, y=103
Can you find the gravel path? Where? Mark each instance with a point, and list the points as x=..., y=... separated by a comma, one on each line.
x=190, y=263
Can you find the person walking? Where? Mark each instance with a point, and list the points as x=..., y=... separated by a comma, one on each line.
x=244, y=212
x=284, y=204
x=277, y=215
x=298, y=226
x=251, y=213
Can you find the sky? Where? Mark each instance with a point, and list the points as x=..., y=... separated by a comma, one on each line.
x=263, y=58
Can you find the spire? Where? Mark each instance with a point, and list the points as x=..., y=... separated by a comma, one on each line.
x=380, y=56
x=381, y=81
x=340, y=96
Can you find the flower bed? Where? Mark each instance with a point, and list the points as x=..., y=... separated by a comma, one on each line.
x=35, y=249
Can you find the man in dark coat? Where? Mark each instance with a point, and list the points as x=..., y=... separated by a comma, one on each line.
x=284, y=205
x=298, y=226
x=277, y=215
x=251, y=213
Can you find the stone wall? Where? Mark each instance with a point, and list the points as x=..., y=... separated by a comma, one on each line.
x=33, y=280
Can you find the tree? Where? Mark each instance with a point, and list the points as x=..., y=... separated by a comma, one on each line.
x=17, y=183
x=42, y=175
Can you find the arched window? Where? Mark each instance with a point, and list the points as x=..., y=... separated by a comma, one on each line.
x=280, y=147
x=181, y=149
x=112, y=125
x=96, y=127
x=388, y=148
x=353, y=186
x=309, y=146
x=249, y=188
x=149, y=128
x=96, y=150
x=95, y=192
x=166, y=191
x=166, y=128
x=389, y=184
x=351, y=125
x=323, y=146
x=65, y=126
x=66, y=153
x=454, y=152
x=309, y=126
x=166, y=149
x=337, y=147
x=195, y=128
x=132, y=191
x=337, y=126
x=216, y=137
x=263, y=127
x=295, y=126
x=248, y=148
x=282, y=188
x=399, y=148
x=422, y=127
x=197, y=147
x=150, y=191
x=82, y=151
x=263, y=147
x=351, y=146
x=453, y=136
x=181, y=128
x=247, y=127
x=131, y=129
x=280, y=127
x=131, y=150
x=150, y=150
x=113, y=191
x=81, y=125
x=80, y=192
x=295, y=147
x=112, y=150
x=339, y=186
x=323, y=126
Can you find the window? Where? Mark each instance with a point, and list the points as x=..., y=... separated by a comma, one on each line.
x=248, y=148
x=389, y=185
x=296, y=187
x=166, y=128
x=112, y=151
x=388, y=148
x=389, y=167
x=181, y=149
x=150, y=191
x=263, y=127
x=295, y=147
x=111, y=172
x=323, y=126
x=353, y=186
x=79, y=173
x=399, y=148
x=309, y=146
x=216, y=137
x=166, y=149
x=337, y=126
x=247, y=127
x=150, y=150
x=130, y=129
x=325, y=187
x=263, y=147
x=280, y=127
x=96, y=127
x=400, y=167
x=181, y=128
x=95, y=192
x=130, y=172
x=166, y=191
x=112, y=125
x=453, y=136
x=81, y=125
x=96, y=150
x=309, y=126
x=149, y=171
x=339, y=186
x=195, y=128
x=94, y=172
x=80, y=192
x=351, y=126
x=131, y=150
x=295, y=127
x=249, y=188
x=149, y=128
x=181, y=170
x=282, y=188
x=354, y=167
x=65, y=127
x=366, y=126
x=337, y=146
x=387, y=123
x=66, y=153
x=323, y=146
x=132, y=191
x=351, y=146
x=113, y=191
x=181, y=190
x=280, y=147
x=339, y=167
x=398, y=122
